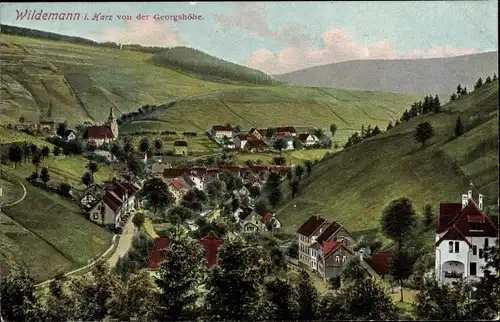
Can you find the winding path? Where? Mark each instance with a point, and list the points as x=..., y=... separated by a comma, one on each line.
x=18, y=201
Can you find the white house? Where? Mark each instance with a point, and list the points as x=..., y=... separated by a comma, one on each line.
x=288, y=138
x=220, y=131
x=110, y=157
x=308, y=139
x=191, y=181
x=462, y=233
x=240, y=141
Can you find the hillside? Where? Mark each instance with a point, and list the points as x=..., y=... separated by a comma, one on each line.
x=208, y=67
x=82, y=82
x=353, y=186
x=427, y=76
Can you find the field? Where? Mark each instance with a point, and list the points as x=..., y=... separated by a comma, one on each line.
x=82, y=82
x=199, y=144
x=292, y=157
x=45, y=233
x=353, y=186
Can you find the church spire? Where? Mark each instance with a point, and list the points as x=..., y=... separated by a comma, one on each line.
x=111, y=114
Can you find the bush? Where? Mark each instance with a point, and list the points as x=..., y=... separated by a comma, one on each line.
x=279, y=160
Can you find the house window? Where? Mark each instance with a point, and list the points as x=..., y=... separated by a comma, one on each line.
x=344, y=259
x=457, y=247
x=485, y=242
x=474, y=250
x=480, y=253
x=337, y=259
x=475, y=226
x=451, y=246
x=95, y=216
x=473, y=269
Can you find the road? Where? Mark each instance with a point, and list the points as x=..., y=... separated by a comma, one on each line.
x=124, y=242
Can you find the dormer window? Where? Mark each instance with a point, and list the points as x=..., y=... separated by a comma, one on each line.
x=475, y=226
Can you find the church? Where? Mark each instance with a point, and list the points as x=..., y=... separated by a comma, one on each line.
x=105, y=133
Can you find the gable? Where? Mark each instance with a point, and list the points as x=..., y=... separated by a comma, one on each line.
x=311, y=225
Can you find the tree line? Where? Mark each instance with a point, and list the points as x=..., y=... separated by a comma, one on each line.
x=357, y=137
x=238, y=288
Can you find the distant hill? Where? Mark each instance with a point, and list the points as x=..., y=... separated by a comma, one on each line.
x=201, y=63
x=426, y=76
x=353, y=186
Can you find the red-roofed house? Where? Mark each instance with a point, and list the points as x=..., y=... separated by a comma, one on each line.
x=271, y=218
x=380, y=263
x=156, y=256
x=307, y=233
x=240, y=141
x=463, y=231
x=332, y=257
x=221, y=131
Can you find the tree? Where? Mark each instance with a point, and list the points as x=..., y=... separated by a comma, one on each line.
x=423, y=132
x=400, y=268
x=56, y=151
x=158, y=145
x=488, y=80
x=334, y=283
x=128, y=146
x=236, y=283
x=92, y=146
x=308, y=165
x=93, y=168
x=299, y=170
x=487, y=304
x=98, y=295
x=87, y=179
x=441, y=302
x=261, y=207
x=179, y=214
x=15, y=154
x=494, y=77
x=138, y=220
x=179, y=281
x=59, y=304
x=156, y=193
x=282, y=299
x=140, y=299
x=289, y=175
x=366, y=299
x=21, y=119
x=44, y=175
x=135, y=166
x=428, y=215
x=61, y=129
x=307, y=297
x=65, y=189
x=36, y=160
x=376, y=131
x=275, y=196
x=45, y=151
x=389, y=126
x=144, y=145
x=333, y=129
x=295, y=188
x=479, y=83
x=459, y=90
x=459, y=128
x=398, y=220
x=453, y=97
x=280, y=145
x=353, y=271
x=464, y=91
x=436, y=105
x=17, y=297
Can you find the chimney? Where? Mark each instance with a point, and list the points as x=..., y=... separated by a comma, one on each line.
x=317, y=217
x=465, y=201
x=321, y=230
x=360, y=252
x=469, y=194
x=481, y=201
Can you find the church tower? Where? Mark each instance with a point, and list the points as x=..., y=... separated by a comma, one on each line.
x=113, y=125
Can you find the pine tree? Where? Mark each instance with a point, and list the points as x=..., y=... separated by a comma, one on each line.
x=453, y=97
x=459, y=128
x=179, y=281
x=307, y=297
x=479, y=83
x=464, y=91
x=389, y=126
x=494, y=77
x=436, y=105
x=459, y=90
x=488, y=80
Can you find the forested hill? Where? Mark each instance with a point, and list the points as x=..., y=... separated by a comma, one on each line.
x=198, y=62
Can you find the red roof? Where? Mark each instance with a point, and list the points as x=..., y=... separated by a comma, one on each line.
x=157, y=255
x=98, y=132
x=176, y=184
x=290, y=129
x=328, y=232
x=221, y=128
x=254, y=144
x=210, y=244
x=180, y=143
x=266, y=218
x=452, y=215
x=329, y=247
x=380, y=262
x=187, y=179
x=111, y=201
x=311, y=225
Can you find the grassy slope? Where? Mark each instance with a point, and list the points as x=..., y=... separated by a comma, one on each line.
x=353, y=186
x=47, y=234
x=83, y=82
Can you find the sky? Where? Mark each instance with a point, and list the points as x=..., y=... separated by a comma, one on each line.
x=279, y=37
